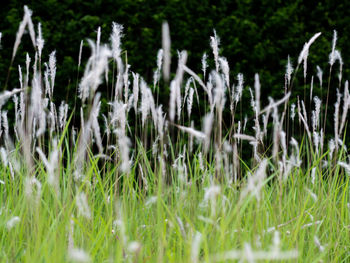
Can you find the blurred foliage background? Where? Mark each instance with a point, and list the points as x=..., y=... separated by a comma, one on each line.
x=256, y=36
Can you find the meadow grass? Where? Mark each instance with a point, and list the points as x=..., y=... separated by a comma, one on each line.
x=148, y=186
x=164, y=221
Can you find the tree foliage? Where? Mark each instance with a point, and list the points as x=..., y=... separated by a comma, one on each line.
x=256, y=36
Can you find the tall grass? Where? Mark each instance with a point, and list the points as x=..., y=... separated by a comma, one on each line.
x=134, y=181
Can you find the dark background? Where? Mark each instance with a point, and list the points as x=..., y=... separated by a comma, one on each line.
x=256, y=36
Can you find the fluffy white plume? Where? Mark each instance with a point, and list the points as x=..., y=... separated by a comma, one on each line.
x=292, y=111
x=117, y=34
x=214, y=43
x=239, y=87
x=40, y=41
x=195, y=249
x=190, y=101
x=166, y=50
x=305, y=52
x=52, y=66
x=195, y=133
x=80, y=52
x=51, y=165
x=83, y=205
x=225, y=69
x=332, y=55
x=319, y=75
x=289, y=70
x=12, y=222
x=207, y=127
x=94, y=69
x=4, y=96
x=78, y=255
x=29, y=184
x=26, y=21
x=204, y=64
x=255, y=182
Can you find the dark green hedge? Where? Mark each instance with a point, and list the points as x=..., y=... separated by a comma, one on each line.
x=256, y=36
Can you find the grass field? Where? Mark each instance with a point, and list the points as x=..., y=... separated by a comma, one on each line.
x=129, y=181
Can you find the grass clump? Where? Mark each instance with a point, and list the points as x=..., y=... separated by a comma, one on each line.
x=149, y=185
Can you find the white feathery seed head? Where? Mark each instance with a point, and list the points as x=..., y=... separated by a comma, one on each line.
x=4, y=96
x=124, y=148
x=318, y=244
x=63, y=112
x=146, y=102
x=5, y=124
x=159, y=59
x=98, y=40
x=314, y=121
x=52, y=67
x=214, y=43
x=336, y=118
x=219, y=91
x=134, y=247
x=292, y=111
x=239, y=87
x=204, y=64
x=95, y=126
x=313, y=175
x=289, y=70
x=117, y=34
x=83, y=205
x=29, y=13
x=331, y=147
x=30, y=183
x=51, y=165
x=125, y=80
x=332, y=56
x=118, y=118
x=135, y=87
x=26, y=21
x=28, y=60
x=36, y=106
x=172, y=100
x=188, y=85
x=160, y=121
x=20, y=77
x=191, y=131
x=78, y=255
x=40, y=41
x=166, y=50
x=195, y=247
x=305, y=52
x=346, y=167
x=319, y=75
x=337, y=56
x=207, y=127
x=256, y=181
x=178, y=82
x=211, y=193
x=12, y=222
x=190, y=102
x=257, y=88
x=46, y=81
x=317, y=102
x=346, y=105
x=225, y=69
x=96, y=66
x=3, y=155
x=80, y=52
